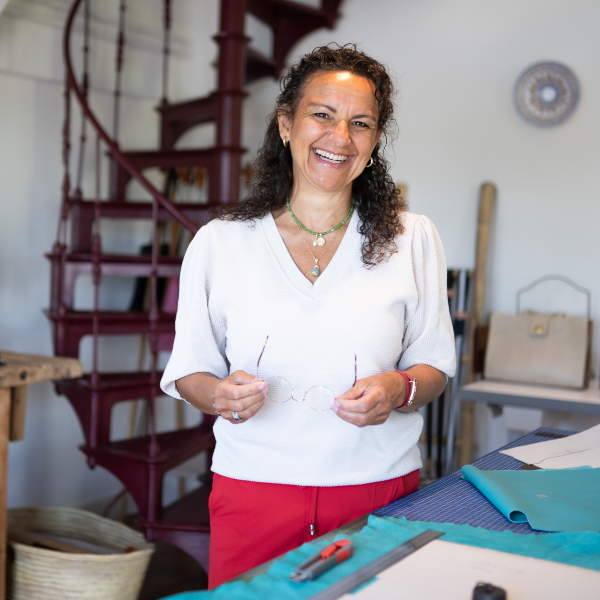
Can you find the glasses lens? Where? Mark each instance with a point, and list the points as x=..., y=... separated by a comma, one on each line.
x=319, y=398
x=279, y=390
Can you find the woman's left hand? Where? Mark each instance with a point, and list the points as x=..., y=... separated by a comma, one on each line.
x=371, y=400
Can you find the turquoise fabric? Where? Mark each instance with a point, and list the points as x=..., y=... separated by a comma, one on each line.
x=549, y=499
x=381, y=535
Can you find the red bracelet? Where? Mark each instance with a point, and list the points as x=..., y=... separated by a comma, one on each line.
x=411, y=389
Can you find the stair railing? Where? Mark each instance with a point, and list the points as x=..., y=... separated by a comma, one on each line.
x=80, y=92
x=73, y=86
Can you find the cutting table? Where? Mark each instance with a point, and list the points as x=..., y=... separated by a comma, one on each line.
x=451, y=502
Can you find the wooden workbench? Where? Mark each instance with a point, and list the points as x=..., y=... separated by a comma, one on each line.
x=16, y=371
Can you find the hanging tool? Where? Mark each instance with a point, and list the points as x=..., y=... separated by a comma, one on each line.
x=322, y=561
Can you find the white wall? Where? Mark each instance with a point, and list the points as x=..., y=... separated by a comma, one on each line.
x=456, y=63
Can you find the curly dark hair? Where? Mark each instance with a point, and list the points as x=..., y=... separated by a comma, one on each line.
x=376, y=198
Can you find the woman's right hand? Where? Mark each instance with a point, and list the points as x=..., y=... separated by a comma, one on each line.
x=241, y=393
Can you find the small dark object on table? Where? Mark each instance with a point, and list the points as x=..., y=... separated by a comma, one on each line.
x=527, y=467
x=488, y=591
x=550, y=435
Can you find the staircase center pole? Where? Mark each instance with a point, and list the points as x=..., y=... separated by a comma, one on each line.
x=225, y=180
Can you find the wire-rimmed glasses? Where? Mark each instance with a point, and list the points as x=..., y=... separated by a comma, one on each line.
x=318, y=397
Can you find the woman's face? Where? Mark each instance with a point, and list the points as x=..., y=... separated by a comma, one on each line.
x=334, y=130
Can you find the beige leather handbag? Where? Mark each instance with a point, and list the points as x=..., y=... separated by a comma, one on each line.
x=539, y=348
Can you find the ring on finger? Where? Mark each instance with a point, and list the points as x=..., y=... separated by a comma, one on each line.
x=235, y=416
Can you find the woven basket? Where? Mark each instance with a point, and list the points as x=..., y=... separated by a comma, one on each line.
x=39, y=574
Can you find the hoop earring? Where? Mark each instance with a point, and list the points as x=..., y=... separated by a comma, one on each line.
x=370, y=163
x=285, y=142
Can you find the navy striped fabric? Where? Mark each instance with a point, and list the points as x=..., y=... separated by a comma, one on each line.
x=451, y=499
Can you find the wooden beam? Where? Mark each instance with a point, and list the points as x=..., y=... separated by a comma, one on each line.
x=20, y=369
x=486, y=204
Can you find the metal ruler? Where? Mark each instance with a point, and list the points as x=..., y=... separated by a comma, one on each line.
x=352, y=581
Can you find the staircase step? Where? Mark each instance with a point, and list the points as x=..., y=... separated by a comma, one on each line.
x=269, y=11
x=209, y=158
x=185, y=524
x=75, y=324
x=166, y=159
x=142, y=471
x=115, y=322
x=291, y=21
x=116, y=387
x=112, y=265
x=175, y=447
x=122, y=259
x=93, y=404
x=121, y=208
x=188, y=513
x=77, y=263
x=122, y=265
x=258, y=66
x=83, y=214
x=178, y=117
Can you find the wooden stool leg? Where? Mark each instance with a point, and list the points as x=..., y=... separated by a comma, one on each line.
x=5, y=400
x=17, y=413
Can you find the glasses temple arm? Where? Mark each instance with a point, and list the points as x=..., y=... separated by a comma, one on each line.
x=258, y=361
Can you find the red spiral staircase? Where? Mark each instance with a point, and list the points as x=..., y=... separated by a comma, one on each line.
x=141, y=462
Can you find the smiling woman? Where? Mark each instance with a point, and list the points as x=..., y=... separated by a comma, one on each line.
x=319, y=426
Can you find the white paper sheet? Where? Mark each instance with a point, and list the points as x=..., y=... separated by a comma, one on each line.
x=448, y=571
x=578, y=450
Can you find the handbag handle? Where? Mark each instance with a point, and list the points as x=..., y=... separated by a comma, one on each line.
x=566, y=280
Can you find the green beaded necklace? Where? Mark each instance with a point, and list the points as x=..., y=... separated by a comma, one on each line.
x=319, y=239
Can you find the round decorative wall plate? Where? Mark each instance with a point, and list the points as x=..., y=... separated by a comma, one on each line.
x=546, y=93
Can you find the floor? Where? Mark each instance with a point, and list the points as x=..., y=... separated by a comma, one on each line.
x=171, y=571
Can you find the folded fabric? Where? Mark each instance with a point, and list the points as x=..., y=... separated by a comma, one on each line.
x=549, y=499
x=383, y=534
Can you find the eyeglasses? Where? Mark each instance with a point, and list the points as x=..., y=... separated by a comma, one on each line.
x=317, y=397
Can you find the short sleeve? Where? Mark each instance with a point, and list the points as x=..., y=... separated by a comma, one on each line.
x=428, y=334
x=199, y=336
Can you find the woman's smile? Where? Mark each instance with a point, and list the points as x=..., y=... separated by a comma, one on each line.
x=331, y=159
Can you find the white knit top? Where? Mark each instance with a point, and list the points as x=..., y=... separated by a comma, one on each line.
x=240, y=284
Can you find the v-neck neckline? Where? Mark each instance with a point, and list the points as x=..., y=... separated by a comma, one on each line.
x=336, y=265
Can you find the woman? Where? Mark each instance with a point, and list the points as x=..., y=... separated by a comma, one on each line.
x=350, y=290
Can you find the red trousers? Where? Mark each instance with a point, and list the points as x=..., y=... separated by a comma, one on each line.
x=251, y=523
